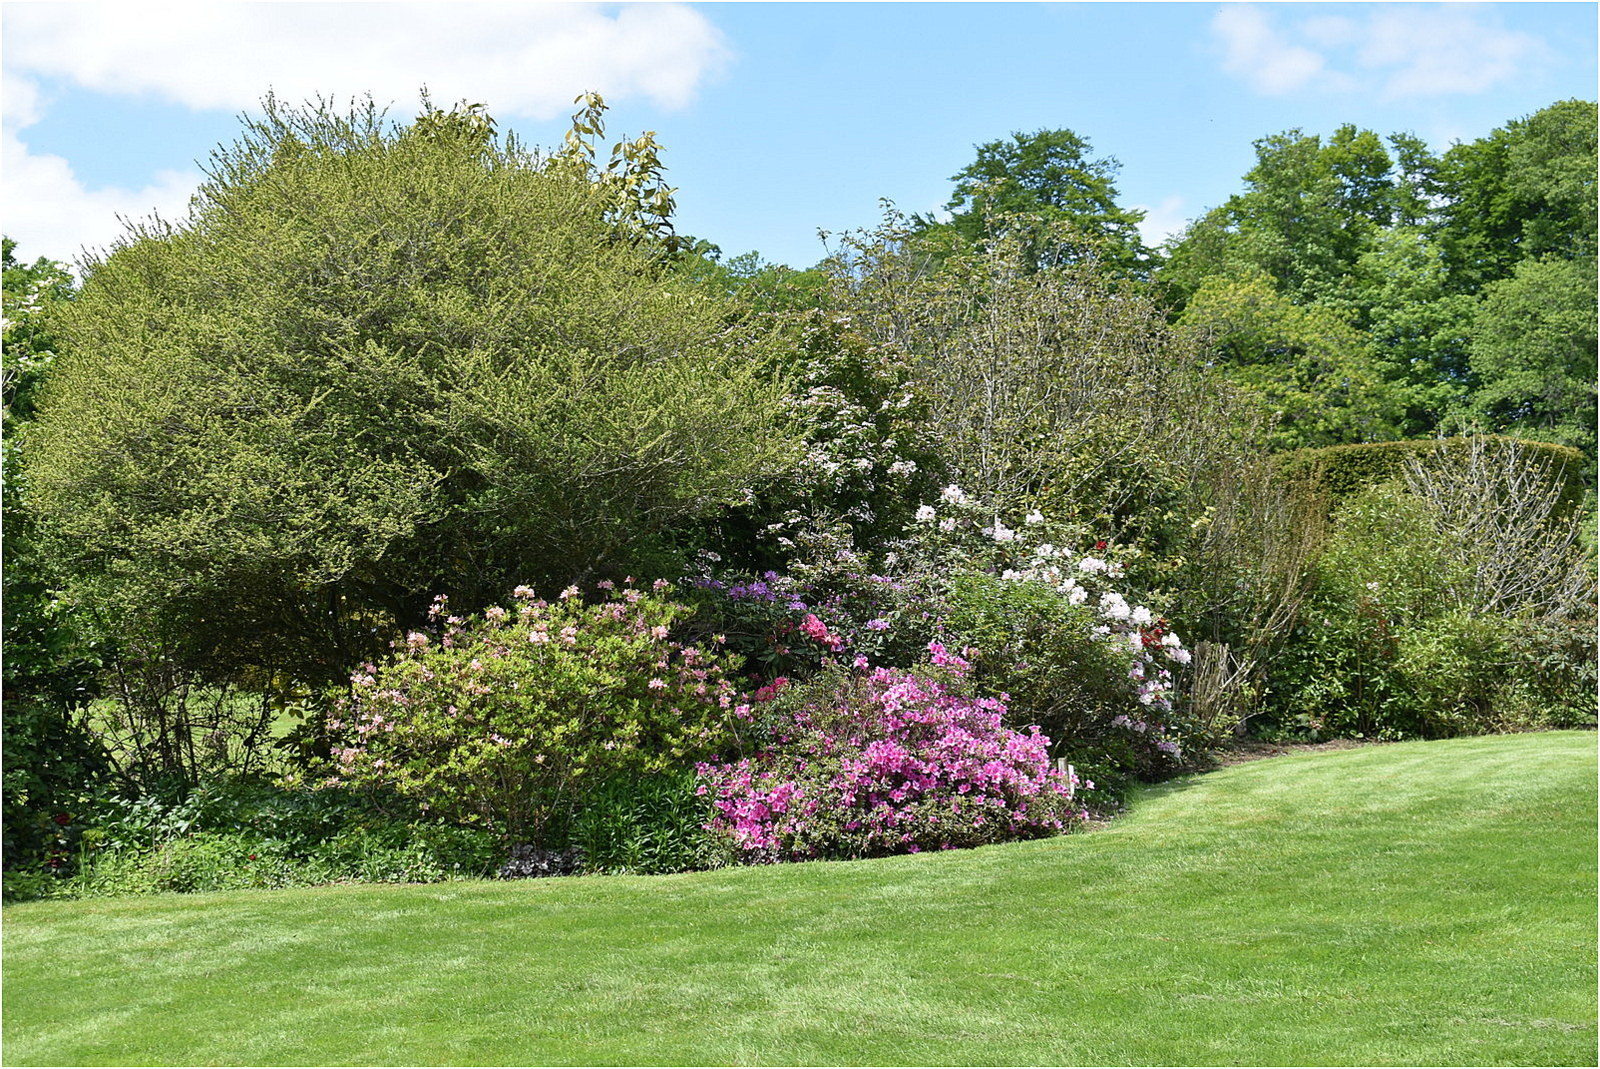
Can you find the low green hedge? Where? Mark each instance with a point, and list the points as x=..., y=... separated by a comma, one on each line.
x=1343, y=470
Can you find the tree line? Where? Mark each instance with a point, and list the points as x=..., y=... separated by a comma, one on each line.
x=382, y=366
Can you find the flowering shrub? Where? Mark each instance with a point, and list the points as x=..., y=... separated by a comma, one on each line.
x=1060, y=672
x=792, y=624
x=887, y=762
x=1046, y=626
x=501, y=719
x=959, y=526
x=1056, y=631
x=866, y=453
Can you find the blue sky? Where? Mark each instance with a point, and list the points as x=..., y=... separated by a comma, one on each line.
x=777, y=119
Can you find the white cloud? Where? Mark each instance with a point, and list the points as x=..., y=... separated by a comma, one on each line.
x=1162, y=221
x=520, y=59
x=1256, y=52
x=1433, y=52
x=49, y=212
x=19, y=100
x=526, y=60
x=1396, y=50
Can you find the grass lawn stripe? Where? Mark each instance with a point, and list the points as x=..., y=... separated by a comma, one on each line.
x=1417, y=903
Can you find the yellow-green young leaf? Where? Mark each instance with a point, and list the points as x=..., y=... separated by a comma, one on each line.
x=377, y=361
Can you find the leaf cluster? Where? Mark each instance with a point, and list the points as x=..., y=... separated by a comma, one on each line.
x=374, y=361
x=502, y=718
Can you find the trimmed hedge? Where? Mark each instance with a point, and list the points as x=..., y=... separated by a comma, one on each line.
x=1342, y=470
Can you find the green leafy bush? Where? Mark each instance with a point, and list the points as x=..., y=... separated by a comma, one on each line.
x=377, y=362
x=1033, y=645
x=645, y=824
x=234, y=836
x=51, y=761
x=1413, y=628
x=503, y=719
x=1343, y=470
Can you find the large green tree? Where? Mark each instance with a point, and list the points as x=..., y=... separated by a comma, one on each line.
x=1271, y=283
x=1518, y=234
x=1313, y=372
x=379, y=361
x=1309, y=211
x=1416, y=330
x=1046, y=183
x=1533, y=353
x=1427, y=260
x=1526, y=191
x=1059, y=386
x=48, y=672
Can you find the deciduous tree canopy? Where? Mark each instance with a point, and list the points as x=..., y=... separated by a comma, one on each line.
x=1429, y=261
x=1042, y=181
x=378, y=362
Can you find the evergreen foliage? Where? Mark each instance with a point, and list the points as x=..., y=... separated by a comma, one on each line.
x=1345, y=470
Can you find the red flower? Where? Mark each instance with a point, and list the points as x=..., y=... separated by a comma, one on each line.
x=1100, y=544
x=63, y=819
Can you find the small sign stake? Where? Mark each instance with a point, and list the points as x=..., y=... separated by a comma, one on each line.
x=1067, y=774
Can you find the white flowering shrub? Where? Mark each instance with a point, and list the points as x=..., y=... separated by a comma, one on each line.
x=866, y=461
x=1023, y=554
x=1051, y=627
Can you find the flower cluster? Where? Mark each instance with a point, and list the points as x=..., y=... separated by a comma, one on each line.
x=866, y=455
x=886, y=762
x=496, y=718
x=1083, y=579
x=793, y=624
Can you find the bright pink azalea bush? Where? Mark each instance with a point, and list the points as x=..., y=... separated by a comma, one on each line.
x=887, y=762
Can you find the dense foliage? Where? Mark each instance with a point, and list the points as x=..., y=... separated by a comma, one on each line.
x=1029, y=184
x=1401, y=291
x=1341, y=470
x=1455, y=597
x=50, y=758
x=1026, y=372
x=501, y=719
x=378, y=363
x=227, y=836
x=973, y=500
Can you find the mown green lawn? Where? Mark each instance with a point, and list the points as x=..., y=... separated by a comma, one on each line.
x=1420, y=903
